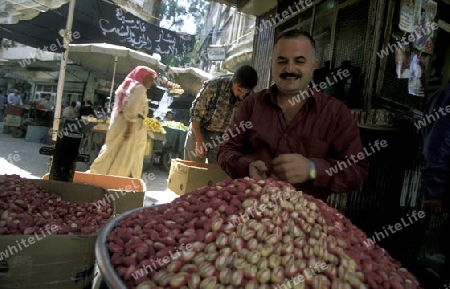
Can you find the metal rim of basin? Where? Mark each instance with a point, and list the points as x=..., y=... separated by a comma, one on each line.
x=109, y=275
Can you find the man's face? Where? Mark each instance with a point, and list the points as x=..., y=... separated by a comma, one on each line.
x=238, y=91
x=148, y=81
x=293, y=64
x=47, y=97
x=16, y=92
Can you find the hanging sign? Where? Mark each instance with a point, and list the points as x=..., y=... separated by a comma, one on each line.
x=216, y=53
x=417, y=74
x=406, y=22
x=424, y=25
x=402, y=61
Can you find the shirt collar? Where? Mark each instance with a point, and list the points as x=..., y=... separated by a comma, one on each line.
x=271, y=94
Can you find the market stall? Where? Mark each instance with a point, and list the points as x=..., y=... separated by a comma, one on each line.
x=396, y=74
x=167, y=142
x=14, y=120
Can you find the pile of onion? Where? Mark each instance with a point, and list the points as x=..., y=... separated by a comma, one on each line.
x=26, y=208
x=245, y=233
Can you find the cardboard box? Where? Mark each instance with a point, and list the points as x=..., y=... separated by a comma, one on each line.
x=126, y=193
x=186, y=176
x=52, y=261
x=13, y=120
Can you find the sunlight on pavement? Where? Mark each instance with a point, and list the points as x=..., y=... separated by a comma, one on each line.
x=7, y=167
x=163, y=197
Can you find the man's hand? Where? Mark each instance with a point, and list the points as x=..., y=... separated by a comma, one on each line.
x=200, y=150
x=257, y=169
x=291, y=168
x=127, y=134
x=433, y=205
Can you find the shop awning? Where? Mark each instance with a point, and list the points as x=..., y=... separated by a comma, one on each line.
x=191, y=79
x=96, y=21
x=100, y=58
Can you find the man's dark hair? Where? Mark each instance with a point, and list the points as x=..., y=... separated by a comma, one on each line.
x=89, y=102
x=73, y=104
x=246, y=77
x=294, y=33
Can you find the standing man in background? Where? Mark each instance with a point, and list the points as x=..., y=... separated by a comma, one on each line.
x=45, y=101
x=168, y=116
x=213, y=111
x=436, y=171
x=87, y=109
x=2, y=105
x=14, y=98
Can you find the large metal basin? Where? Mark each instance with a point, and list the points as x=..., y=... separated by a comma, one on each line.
x=110, y=276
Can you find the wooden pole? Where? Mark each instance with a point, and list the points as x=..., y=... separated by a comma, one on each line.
x=67, y=37
x=112, y=82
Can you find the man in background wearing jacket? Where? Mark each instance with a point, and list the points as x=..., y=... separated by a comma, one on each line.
x=436, y=171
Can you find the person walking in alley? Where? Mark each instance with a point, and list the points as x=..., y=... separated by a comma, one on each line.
x=123, y=152
x=435, y=173
x=213, y=110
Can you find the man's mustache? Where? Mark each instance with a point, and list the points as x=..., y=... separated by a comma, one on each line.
x=290, y=75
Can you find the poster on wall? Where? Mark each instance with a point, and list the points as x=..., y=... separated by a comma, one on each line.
x=402, y=60
x=425, y=14
x=407, y=9
x=417, y=74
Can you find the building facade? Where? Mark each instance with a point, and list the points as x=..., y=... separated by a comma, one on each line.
x=230, y=32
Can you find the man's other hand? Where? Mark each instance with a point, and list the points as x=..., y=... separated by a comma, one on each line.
x=257, y=169
x=291, y=168
x=200, y=150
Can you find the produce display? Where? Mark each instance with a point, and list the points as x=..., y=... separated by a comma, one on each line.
x=153, y=125
x=27, y=208
x=175, y=124
x=247, y=233
x=99, y=120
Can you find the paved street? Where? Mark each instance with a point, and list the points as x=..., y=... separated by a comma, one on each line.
x=21, y=157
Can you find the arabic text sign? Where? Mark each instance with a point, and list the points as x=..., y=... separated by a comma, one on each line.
x=128, y=30
x=216, y=53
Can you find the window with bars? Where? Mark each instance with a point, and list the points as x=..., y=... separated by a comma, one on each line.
x=42, y=89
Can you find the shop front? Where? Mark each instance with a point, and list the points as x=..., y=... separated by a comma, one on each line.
x=396, y=53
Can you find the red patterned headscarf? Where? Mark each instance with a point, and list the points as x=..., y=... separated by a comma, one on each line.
x=135, y=77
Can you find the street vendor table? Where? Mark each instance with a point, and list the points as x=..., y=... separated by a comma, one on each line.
x=152, y=138
x=172, y=148
x=95, y=140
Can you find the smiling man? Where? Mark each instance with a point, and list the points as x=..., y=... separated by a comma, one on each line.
x=295, y=141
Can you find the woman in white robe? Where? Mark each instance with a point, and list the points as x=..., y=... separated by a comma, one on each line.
x=123, y=151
